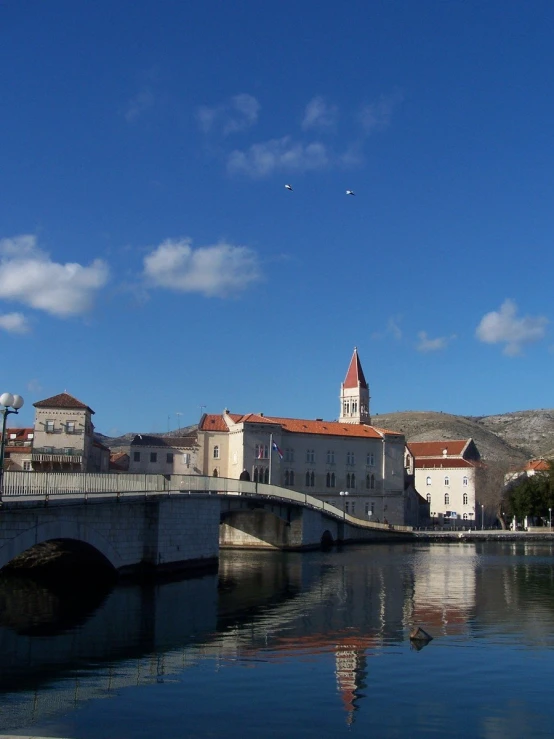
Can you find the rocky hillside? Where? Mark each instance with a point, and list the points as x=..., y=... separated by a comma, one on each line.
x=509, y=437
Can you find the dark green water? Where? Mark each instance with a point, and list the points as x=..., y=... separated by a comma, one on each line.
x=291, y=645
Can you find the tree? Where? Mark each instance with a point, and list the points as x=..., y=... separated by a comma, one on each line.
x=532, y=496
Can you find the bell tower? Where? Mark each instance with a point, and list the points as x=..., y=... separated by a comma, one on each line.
x=354, y=394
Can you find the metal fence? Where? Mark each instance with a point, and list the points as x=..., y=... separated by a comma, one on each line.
x=84, y=485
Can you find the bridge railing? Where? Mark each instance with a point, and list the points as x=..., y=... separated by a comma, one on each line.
x=47, y=485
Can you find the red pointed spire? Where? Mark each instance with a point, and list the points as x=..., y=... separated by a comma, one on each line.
x=355, y=372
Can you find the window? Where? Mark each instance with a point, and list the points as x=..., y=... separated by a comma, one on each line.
x=310, y=479
x=368, y=481
x=370, y=460
x=291, y=477
x=350, y=458
x=346, y=408
x=215, y=472
x=464, y=481
x=287, y=477
x=186, y=458
x=216, y=452
x=136, y=456
x=446, y=499
x=428, y=481
x=372, y=482
x=49, y=427
x=68, y=450
x=330, y=457
x=366, y=508
x=465, y=516
x=429, y=497
x=153, y=456
x=353, y=480
x=373, y=508
x=328, y=480
x=261, y=451
x=353, y=507
x=346, y=506
x=289, y=455
x=446, y=482
x=169, y=458
x=27, y=466
x=70, y=427
x=354, y=406
x=13, y=436
x=310, y=456
x=465, y=498
x=30, y=436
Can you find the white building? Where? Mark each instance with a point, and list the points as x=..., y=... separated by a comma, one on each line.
x=165, y=455
x=445, y=474
x=349, y=463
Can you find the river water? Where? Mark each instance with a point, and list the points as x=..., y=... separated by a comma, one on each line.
x=291, y=645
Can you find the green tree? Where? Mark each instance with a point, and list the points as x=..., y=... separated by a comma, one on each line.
x=532, y=496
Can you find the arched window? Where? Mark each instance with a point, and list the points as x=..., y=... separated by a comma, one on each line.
x=266, y=475
x=368, y=481
x=332, y=479
x=373, y=482
x=307, y=479
x=446, y=499
x=286, y=477
x=465, y=498
x=446, y=482
x=292, y=477
x=353, y=480
x=348, y=479
x=255, y=475
x=428, y=497
x=428, y=481
x=465, y=516
x=312, y=479
x=464, y=481
x=214, y=473
x=216, y=452
x=328, y=480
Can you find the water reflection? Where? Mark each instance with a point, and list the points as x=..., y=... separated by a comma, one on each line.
x=340, y=611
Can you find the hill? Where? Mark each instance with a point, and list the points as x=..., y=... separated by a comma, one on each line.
x=508, y=437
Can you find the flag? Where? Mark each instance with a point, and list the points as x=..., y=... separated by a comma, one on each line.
x=276, y=448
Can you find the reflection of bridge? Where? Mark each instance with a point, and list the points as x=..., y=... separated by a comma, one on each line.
x=168, y=521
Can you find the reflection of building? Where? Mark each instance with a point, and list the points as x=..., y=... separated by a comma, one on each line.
x=445, y=474
x=444, y=588
x=350, y=463
x=351, y=672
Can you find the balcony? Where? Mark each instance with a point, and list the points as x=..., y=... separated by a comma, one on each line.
x=61, y=456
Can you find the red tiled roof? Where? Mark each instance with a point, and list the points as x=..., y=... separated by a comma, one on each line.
x=435, y=448
x=63, y=400
x=20, y=434
x=539, y=465
x=355, y=374
x=300, y=426
x=443, y=462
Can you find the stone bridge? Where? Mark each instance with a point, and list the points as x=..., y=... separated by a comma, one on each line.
x=168, y=522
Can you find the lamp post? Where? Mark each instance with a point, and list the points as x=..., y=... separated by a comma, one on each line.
x=482, y=516
x=343, y=492
x=550, y=518
x=10, y=404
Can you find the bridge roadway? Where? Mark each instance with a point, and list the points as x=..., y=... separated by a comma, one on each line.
x=169, y=522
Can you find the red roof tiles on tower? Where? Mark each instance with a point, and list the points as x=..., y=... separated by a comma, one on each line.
x=355, y=375
x=63, y=400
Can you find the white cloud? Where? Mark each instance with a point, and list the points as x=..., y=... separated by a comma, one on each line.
x=30, y=277
x=504, y=327
x=376, y=116
x=319, y=115
x=218, y=270
x=427, y=344
x=137, y=105
x=283, y=155
x=392, y=329
x=238, y=114
x=14, y=323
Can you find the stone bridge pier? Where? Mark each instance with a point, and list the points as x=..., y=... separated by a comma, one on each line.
x=134, y=533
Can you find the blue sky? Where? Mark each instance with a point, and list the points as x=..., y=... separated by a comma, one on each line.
x=152, y=262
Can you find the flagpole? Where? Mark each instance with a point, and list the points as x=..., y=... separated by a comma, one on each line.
x=270, y=455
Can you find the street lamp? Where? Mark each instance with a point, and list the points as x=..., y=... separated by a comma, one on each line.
x=343, y=492
x=550, y=518
x=482, y=516
x=13, y=402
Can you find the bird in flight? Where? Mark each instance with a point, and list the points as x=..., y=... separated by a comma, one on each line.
x=350, y=192
x=288, y=187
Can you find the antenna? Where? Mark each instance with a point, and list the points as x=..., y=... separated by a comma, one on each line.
x=179, y=414
x=201, y=411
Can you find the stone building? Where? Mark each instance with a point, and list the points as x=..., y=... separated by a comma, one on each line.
x=446, y=475
x=166, y=455
x=63, y=435
x=349, y=463
x=18, y=449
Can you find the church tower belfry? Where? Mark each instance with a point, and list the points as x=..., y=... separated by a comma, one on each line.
x=354, y=394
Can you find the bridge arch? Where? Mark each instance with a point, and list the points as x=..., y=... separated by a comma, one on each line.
x=60, y=529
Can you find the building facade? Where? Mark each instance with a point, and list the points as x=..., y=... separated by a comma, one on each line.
x=446, y=475
x=165, y=455
x=18, y=450
x=349, y=463
x=63, y=435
